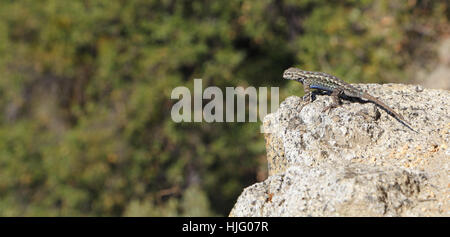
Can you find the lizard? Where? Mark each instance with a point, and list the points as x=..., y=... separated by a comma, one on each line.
x=337, y=87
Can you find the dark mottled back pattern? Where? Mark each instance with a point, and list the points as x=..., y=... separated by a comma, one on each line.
x=322, y=81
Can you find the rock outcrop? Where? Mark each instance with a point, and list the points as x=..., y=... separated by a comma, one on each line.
x=356, y=160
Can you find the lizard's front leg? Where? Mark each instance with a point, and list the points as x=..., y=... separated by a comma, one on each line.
x=308, y=97
x=336, y=101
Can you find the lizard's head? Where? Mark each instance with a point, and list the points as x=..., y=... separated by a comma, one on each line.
x=293, y=73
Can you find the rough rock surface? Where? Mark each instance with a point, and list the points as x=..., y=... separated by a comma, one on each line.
x=356, y=160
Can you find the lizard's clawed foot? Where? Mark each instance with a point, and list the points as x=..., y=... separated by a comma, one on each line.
x=308, y=97
x=330, y=107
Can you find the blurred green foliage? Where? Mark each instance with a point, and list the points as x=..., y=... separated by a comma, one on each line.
x=85, y=128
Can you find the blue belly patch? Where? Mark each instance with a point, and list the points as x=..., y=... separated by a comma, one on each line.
x=319, y=87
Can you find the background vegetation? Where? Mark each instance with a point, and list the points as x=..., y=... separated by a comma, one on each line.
x=85, y=127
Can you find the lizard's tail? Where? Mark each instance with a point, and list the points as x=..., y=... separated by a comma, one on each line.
x=388, y=110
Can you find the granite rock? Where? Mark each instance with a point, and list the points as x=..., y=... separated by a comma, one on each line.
x=356, y=160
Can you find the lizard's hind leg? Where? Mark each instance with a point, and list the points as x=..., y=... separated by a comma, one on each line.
x=336, y=101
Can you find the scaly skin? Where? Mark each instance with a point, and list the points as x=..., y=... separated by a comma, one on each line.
x=337, y=87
